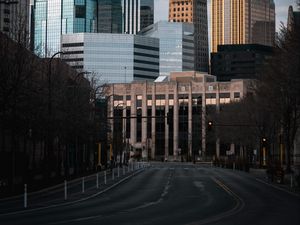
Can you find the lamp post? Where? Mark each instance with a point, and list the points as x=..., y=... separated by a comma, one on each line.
x=49, y=145
x=78, y=76
x=49, y=82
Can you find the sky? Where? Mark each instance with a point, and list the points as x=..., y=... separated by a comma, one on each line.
x=281, y=7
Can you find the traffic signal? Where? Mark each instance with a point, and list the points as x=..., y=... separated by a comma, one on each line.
x=209, y=125
x=264, y=141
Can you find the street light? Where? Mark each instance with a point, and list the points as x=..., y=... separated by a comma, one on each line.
x=50, y=103
x=78, y=76
x=49, y=82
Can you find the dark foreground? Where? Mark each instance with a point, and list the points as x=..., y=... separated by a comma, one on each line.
x=175, y=194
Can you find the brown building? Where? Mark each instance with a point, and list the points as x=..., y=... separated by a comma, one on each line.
x=242, y=22
x=193, y=11
x=168, y=119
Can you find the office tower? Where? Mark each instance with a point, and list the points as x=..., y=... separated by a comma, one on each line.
x=293, y=19
x=14, y=20
x=243, y=61
x=242, y=22
x=113, y=58
x=110, y=18
x=176, y=46
x=56, y=17
x=193, y=11
x=137, y=15
x=147, y=13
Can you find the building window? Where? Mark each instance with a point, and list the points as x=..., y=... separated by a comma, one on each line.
x=236, y=96
x=80, y=11
x=139, y=99
x=149, y=100
x=128, y=100
x=224, y=98
x=210, y=99
x=160, y=100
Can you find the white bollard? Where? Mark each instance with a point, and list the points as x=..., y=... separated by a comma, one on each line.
x=97, y=180
x=104, y=177
x=83, y=185
x=25, y=196
x=66, y=193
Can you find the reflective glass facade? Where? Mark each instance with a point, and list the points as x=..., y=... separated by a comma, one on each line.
x=147, y=13
x=193, y=11
x=242, y=22
x=110, y=19
x=114, y=58
x=137, y=14
x=55, y=17
x=176, y=45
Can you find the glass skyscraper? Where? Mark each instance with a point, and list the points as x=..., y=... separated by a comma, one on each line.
x=242, y=22
x=176, y=46
x=110, y=19
x=137, y=15
x=193, y=11
x=52, y=18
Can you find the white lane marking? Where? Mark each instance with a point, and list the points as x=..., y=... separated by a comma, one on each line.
x=199, y=185
x=73, y=202
x=161, y=198
x=145, y=205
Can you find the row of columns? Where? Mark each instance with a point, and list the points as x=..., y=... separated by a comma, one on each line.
x=133, y=121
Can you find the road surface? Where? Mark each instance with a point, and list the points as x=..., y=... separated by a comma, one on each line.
x=174, y=193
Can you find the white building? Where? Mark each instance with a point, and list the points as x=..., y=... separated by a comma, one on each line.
x=114, y=58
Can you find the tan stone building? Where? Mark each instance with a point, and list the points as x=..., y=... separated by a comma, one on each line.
x=167, y=119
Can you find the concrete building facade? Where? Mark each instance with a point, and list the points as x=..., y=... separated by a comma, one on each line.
x=168, y=119
x=113, y=58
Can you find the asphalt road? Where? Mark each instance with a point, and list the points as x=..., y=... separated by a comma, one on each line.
x=175, y=193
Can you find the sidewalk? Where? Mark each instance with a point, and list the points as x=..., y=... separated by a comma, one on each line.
x=289, y=183
x=72, y=191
